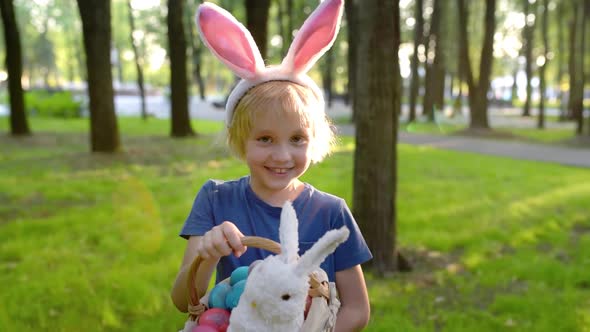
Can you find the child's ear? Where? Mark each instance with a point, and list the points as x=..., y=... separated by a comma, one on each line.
x=315, y=37
x=229, y=40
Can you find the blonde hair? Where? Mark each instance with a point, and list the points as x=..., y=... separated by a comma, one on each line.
x=284, y=97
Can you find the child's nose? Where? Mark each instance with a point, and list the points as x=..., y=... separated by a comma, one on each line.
x=281, y=153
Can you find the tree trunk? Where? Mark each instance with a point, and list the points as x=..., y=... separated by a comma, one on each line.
x=96, y=26
x=514, y=88
x=327, y=77
x=285, y=23
x=458, y=102
x=577, y=68
x=119, y=65
x=377, y=101
x=257, y=23
x=181, y=124
x=18, y=118
x=440, y=81
x=478, y=102
x=432, y=73
x=195, y=50
x=352, y=29
x=541, y=118
x=418, y=40
x=586, y=10
x=573, y=24
x=138, y=62
x=581, y=82
x=282, y=16
x=563, y=109
x=528, y=34
x=440, y=63
x=450, y=93
x=289, y=35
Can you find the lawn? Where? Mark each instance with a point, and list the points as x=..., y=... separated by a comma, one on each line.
x=534, y=135
x=513, y=127
x=90, y=241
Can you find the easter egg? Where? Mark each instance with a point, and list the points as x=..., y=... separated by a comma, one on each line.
x=204, y=328
x=238, y=274
x=233, y=297
x=218, y=294
x=254, y=263
x=216, y=318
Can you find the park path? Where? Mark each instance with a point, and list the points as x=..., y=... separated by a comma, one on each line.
x=564, y=155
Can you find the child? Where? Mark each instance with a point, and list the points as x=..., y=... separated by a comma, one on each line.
x=277, y=125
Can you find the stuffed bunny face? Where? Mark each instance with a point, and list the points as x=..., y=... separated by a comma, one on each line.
x=275, y=292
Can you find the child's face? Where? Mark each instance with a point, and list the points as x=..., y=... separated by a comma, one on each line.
x=277, y=153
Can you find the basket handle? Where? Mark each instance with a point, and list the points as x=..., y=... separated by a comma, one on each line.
x=196, y=308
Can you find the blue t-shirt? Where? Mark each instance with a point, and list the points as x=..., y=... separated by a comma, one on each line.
x=317, y=212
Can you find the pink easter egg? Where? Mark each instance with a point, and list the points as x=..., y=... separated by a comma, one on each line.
x=215, y=317
x=204, y=328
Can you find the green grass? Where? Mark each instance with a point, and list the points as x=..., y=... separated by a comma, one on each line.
x=90, y=241
x=546, y=136
x=441, y=128
x=551, y=135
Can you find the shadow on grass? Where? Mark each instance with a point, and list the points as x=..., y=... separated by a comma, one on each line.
x=72, y=151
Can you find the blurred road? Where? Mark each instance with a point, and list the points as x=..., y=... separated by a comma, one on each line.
x=498, y=147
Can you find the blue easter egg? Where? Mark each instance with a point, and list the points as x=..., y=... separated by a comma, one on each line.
x=218, y=295
x=239, y=274
x=233, y=297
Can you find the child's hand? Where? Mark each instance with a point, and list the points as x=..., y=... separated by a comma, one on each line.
x=220, y=241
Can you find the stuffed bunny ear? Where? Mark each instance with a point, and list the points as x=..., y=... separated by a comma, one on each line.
x=229, y=40
x=311, y=260
x=315, y=37
x=289, y=234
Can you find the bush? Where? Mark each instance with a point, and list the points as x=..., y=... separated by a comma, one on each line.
x=52, y=104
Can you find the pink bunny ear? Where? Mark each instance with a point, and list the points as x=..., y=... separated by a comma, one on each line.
x=229, y=40
x=315, y=36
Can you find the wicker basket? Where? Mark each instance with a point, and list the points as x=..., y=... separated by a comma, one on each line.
x=319, y=287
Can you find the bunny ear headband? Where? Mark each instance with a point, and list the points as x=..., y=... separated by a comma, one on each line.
x=233, y=44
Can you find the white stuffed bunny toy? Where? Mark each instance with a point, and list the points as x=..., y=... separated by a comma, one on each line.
x=276, y=289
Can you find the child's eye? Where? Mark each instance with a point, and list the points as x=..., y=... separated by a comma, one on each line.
x=299, y=139
x=264, y=139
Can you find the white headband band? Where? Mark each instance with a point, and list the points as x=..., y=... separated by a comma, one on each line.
x=233, y=44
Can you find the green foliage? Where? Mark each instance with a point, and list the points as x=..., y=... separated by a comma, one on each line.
x=90, y=241
x=3, y=97
x=52, y=104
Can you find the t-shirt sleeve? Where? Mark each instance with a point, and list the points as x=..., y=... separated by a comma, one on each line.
x=200, y=218
x=354, y=250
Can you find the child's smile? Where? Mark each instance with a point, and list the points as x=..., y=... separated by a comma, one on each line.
x=278, y=171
